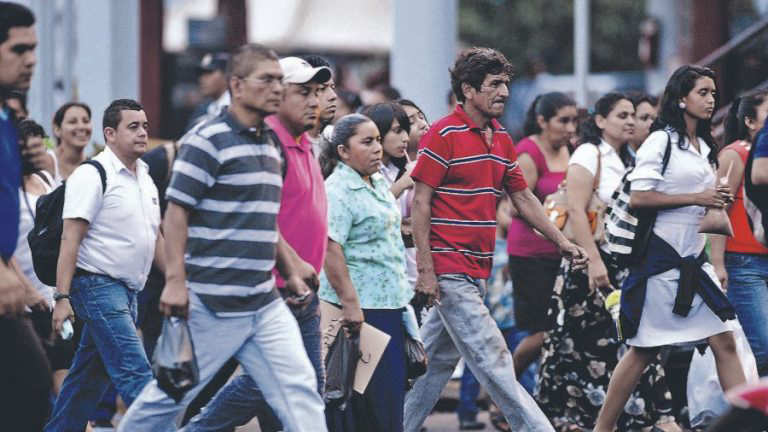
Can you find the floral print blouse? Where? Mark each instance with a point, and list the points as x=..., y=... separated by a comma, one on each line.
x=365, y=221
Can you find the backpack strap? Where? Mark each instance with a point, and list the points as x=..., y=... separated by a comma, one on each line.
x=667, y=154
x=596, y=182
x=102, y=173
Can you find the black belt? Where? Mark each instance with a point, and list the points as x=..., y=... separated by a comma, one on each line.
x=81, y=272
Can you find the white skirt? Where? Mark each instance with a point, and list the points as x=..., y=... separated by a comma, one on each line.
x=658, y=325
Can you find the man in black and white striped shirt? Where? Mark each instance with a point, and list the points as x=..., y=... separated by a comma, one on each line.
x=224, y=197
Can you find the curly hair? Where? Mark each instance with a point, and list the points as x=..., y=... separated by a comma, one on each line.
x=473, y=64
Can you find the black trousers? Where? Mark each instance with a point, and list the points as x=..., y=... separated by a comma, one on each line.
x=25, y=377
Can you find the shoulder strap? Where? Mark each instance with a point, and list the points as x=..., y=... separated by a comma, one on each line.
x=102, y=173
x=596, y=182
x=667, y=154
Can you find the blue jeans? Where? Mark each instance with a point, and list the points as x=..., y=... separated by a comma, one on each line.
x=267, y=344
x=470, y=387
x=109, y=351
x=748, y=292
x=241, y=400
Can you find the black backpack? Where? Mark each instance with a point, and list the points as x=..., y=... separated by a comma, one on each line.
x=45, y=237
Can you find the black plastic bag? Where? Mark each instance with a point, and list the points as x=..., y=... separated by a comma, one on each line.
x=340, y=366
x=174, y=364
x=415, y=358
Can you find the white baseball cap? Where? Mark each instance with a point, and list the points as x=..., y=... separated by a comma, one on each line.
x=299, y=71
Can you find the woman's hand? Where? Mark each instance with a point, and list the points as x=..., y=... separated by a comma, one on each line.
x=598, y=275
x=714, y=198
x=352, y=318
x=722, y=276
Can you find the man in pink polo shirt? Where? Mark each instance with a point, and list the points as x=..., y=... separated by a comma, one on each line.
x=302, y=220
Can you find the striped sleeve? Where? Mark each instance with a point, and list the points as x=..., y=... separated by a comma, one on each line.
x=194, y=171
x=432, y=163
x=514, y=181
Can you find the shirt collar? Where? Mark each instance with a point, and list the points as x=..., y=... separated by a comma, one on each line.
x=605, y=148
x=285, y=136
x=464, y=117
x=354, y=180
x=238, y=127
x=118, y=165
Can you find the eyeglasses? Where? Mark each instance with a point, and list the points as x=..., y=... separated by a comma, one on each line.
x=266, y=80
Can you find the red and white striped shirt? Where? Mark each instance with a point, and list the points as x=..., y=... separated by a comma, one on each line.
x=468, y=177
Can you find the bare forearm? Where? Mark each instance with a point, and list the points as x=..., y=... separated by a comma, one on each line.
x=175, y=233
x=286, y=257
x=65, y=267
x=338, y=275
x=160, y=253
x=659, y=200
x=421, y=215
x=717, y=249
x=530, y=209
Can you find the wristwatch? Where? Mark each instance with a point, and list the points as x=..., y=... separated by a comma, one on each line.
x=58, y=296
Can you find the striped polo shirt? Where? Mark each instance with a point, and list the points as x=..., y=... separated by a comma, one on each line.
x=229, y=177
x=468, y=177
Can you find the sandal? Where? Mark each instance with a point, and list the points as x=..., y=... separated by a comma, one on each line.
x=499, y=422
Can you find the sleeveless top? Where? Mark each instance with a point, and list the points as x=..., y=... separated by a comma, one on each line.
x=522, y=241
x=743, y=241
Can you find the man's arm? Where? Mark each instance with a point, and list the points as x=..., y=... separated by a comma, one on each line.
x=71, y=236
x=531, y=210
x=12, y=292
x=296, y=272
x=421, y=216
x=159, y=260
x=175, y=298
x=32, y=298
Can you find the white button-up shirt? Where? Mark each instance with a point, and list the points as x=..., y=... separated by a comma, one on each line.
x=124, y=220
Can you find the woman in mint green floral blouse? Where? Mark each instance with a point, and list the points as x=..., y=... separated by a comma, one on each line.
x=365, y=264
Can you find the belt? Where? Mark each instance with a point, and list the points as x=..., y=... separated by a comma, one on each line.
x=81, y=272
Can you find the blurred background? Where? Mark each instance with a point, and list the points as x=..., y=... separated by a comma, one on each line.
x=98, y=50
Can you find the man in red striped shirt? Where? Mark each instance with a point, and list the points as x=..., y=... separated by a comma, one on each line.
x=466, y=162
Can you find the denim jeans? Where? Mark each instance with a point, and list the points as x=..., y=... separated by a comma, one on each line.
x=109, y=351
x=241, y=400
x=470, y=387
x=461, y=326
x=748, y=292
x=267, y=344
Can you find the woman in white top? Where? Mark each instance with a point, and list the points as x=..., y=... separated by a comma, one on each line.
x=72, y=129
x=670, y=313
x=581, y=350
x=35, y=184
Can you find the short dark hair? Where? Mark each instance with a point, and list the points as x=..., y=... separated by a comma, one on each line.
x=113, y=114
x=473, y=64
x=546, y=105
x=14, y=15
x=382, y=115
x=243, y=60
x=29, y=128
x=639, y=97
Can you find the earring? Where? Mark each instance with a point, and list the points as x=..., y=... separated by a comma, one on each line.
x=681, y=105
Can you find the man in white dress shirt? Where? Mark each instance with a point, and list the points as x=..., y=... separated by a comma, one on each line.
x=107, y=247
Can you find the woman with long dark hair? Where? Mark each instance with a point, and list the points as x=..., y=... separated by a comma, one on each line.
x=741, y=262
x=674, y=289
x=533, y=260
x=581, y=349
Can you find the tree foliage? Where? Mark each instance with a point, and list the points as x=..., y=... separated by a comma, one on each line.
x=538, y=34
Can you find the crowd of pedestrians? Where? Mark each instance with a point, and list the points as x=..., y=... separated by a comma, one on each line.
x=287, y=195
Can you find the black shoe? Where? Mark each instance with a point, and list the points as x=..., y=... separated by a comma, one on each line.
x=471, y=425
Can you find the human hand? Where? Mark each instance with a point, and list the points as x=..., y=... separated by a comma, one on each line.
x=174, y=300
x=62, y=311
x=722, y=276
x=575, y=254
x=598, y=275
x=12, y=293
x=352, y=318
x=299, y=293
x=711, y=198
x=427, y=290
